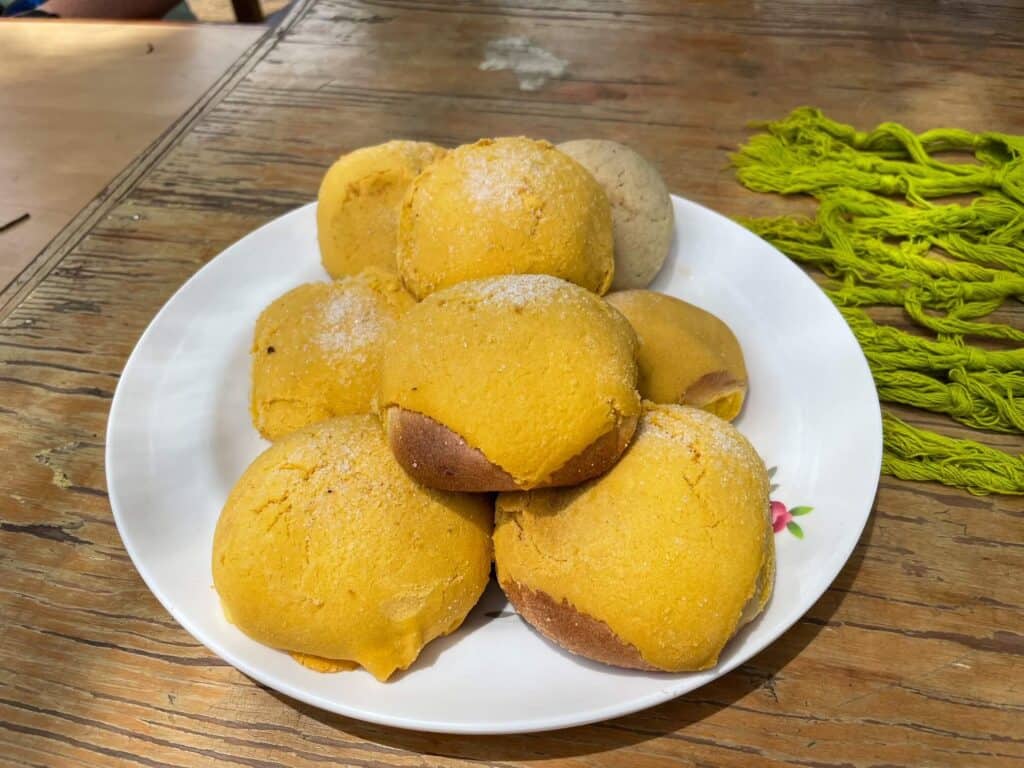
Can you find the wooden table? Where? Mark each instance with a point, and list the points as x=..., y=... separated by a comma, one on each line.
x=80, y=100
x=913, y=657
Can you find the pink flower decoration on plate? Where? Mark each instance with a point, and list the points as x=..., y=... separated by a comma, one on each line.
x=780, y=516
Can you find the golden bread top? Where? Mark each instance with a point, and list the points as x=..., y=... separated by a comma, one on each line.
x=505, y=206
x=666, y=548
x=679, y=344
x=316, y=350
x=359, y=202
x=326, y=548
x=529, y=369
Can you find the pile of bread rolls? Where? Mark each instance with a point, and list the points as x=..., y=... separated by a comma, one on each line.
x=466, y=391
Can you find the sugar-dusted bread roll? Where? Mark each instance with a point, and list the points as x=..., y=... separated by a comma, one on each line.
x=642, y=214
x=509, y=382
x=327, y=549
x=657, y=563
x=500, y=207
x=316, y=350
x=359, y=201
x=687, y=355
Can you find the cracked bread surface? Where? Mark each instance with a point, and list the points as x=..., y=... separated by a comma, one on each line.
x=505, y=206
x=671, y=549
x=359, y=202
x=529, y=370
x=316, y=350
x=327, y=549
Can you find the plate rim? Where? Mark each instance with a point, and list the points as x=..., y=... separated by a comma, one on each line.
x=674, y=686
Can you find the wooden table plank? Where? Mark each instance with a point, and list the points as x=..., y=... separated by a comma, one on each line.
x=909, y=659
x=81, y=100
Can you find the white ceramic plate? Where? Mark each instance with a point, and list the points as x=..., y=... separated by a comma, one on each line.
x=179, y=436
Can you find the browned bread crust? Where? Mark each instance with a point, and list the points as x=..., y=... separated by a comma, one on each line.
x=580, y=633
x=563, y=624
x=597, y=458
x=439, y=458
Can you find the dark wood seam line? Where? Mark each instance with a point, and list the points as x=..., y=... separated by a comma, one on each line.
x=88, y=746
x=188, y=661
x=64, y=242
x=256, y=763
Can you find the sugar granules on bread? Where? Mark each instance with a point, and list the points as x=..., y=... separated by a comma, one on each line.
x=352, y=322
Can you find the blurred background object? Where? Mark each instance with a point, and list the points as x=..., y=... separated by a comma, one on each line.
x=247, y=11
x=81, y=98
x=233, y=10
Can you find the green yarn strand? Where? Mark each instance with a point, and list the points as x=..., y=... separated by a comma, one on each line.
x=806, y=152
x=880, y=240
x=917, y=454
x=889, y=347
x=968, y=399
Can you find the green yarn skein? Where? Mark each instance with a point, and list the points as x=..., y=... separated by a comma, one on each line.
x=947, y=265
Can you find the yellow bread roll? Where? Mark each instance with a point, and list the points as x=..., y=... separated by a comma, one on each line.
x=327, y=549
x=531, y=376
x=500, y=207
x=686, y=355
x=316, y=350
x=359, y=201
x=655, y=564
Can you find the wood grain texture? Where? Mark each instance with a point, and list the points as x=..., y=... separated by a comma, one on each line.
x=83, y=98
x=913, y=657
